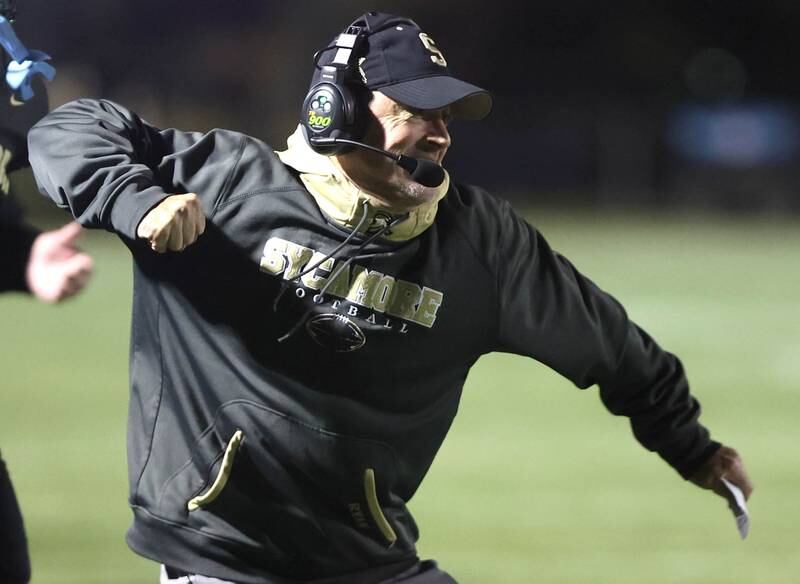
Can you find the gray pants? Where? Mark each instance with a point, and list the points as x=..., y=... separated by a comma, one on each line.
x=196, y=579
x=423, y=573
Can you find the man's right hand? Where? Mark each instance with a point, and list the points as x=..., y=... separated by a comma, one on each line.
x=173, y=224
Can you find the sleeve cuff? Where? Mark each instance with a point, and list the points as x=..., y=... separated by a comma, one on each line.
x=689, y=467
x=130, y=208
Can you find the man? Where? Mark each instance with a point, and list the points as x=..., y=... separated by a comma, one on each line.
x=46, y=265
x=295, y=368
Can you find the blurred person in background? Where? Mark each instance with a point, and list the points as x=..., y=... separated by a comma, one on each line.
x=46, y=265
x=295, y=369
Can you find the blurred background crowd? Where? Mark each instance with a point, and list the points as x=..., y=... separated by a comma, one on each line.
x=631, y=104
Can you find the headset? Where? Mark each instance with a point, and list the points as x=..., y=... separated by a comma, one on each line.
x=335, y=110
x=335, y=106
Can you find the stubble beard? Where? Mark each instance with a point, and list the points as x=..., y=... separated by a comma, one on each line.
x=397, y=192
x=409, y=194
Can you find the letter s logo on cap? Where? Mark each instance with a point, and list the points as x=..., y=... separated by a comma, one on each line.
x=436, y=55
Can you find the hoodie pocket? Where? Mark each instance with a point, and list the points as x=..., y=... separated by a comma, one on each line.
x=259, y=474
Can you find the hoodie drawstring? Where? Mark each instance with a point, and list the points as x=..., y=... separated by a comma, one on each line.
x=386, y=228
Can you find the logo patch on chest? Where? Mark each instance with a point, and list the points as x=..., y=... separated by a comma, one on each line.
x=368, y=289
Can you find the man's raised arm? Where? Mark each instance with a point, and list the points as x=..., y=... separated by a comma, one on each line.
x=111, y=170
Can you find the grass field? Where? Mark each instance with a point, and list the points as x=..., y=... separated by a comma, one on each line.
x=536, y=482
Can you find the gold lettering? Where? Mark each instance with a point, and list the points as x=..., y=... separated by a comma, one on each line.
x=428, y=306
x=297, y=256
x=368, y=288
x=341, y=284
x=363, y=286
x=405, y=298
x=383, y=293
x=272, y=260
x=311, y=279
x=281, y=256
x=5, y=158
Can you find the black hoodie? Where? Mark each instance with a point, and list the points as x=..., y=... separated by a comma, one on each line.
x=261, y=461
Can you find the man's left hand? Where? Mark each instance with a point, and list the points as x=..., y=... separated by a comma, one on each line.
x=725, y=463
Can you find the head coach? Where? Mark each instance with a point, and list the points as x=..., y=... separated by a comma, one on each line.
x=304, y=320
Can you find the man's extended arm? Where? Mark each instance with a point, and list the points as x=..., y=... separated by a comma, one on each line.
x=558, y=316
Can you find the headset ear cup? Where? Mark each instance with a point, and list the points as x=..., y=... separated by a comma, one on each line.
x=327, y=113
x=336, y=105
x=346, y=116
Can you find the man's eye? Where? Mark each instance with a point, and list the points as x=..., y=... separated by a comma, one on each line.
x=432, y=115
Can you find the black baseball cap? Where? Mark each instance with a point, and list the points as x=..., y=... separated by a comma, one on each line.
x=401, y=61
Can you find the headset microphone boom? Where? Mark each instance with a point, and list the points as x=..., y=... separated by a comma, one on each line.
x=425, y=172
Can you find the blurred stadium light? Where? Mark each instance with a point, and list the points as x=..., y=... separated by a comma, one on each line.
x=742, y=135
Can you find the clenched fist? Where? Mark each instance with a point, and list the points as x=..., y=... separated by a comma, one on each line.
x=173, y=224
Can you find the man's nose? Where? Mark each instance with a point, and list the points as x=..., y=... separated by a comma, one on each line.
x=438, y=133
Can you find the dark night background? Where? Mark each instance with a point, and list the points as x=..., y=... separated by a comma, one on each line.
x=627, y=104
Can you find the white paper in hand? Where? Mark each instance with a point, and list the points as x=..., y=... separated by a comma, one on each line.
x=739, y=508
